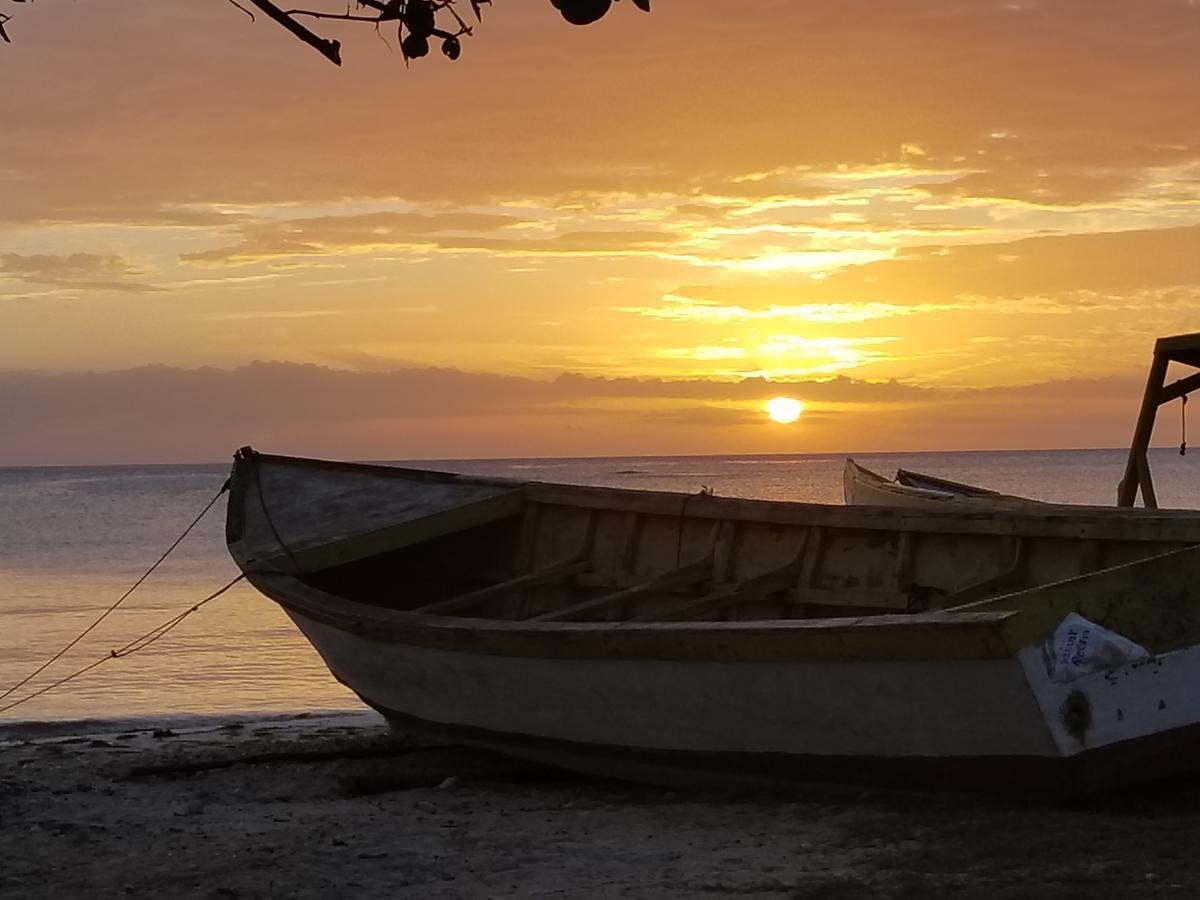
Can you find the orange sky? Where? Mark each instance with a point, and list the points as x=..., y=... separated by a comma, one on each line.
x=939, y=224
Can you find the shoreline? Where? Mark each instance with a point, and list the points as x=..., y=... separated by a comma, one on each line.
x=19, y=731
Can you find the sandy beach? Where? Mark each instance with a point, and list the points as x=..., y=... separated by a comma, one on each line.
x=123, y=815
x=325, y=806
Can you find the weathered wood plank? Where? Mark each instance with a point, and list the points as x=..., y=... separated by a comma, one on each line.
x=427, y=527
x=1180, y=388
x=906, y=551
x=922, y=636
x=1008, y=577
x=558, y=571
x=680, y=576
x=1096, y=523
x=856, y=598
x=751, y=589
x=690, y=573
x=1137, y=473
x=1146, y=482
x=1154, y=601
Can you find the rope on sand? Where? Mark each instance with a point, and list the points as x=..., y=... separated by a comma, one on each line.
x=104, y=615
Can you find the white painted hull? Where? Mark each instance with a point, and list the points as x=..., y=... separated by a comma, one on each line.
x=862, y=487
x=826, y=708
x=1131, y=702
x=860, y=720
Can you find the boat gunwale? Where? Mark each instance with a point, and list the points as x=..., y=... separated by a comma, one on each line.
x=858, y=638
x=1060, y=517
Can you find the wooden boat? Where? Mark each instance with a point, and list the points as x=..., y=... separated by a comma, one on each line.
x=862, y=487
x=909, y=478
x=914, y=489
x=687, y=639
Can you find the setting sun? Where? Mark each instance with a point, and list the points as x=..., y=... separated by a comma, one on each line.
x=784, y=410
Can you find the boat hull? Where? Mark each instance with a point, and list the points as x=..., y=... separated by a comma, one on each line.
x=862, y=487
x=978, y=726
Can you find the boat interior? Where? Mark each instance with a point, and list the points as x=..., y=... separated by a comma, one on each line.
x=564, y=554
x=449, y=547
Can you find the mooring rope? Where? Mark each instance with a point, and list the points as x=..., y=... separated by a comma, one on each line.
x=1183, y=426
x=104, y=615
x=140, y=643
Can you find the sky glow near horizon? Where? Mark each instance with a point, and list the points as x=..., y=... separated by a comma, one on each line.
x=937, y=224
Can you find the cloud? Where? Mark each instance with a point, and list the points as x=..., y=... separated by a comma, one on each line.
x=253, y=315
x=160, y=414
x=1060, y=187
x=80, y=271
x=706, y=417
x=166, y=413
x=575, y=243
x=318, y=393
x=1047, y=274
x=334, y=234
x=1112, y=262
x=839, y=389
x=115, y=211
x=384, y=232
x=1017, y=170
x=1074, y=89
x=680, y=307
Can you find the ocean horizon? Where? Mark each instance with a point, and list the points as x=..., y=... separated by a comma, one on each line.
x=422, y=461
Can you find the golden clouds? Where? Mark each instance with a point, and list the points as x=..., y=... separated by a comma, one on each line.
x=1074, y=87
x=688, y=309
x=936, y=193
x=333, y=235
x=76, y=271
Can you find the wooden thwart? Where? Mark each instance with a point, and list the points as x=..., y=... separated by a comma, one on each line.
x=798, y=567
x=752, y=589
x=675, y=578
x=556, y=571
x=851, y=598
x=681, y=576
x=578, y=562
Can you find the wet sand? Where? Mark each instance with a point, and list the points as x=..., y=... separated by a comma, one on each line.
x=144, y=813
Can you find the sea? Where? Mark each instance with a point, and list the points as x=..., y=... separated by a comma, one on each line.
x=74, y=539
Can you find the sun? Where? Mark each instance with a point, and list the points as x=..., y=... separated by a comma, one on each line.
x=784, y=410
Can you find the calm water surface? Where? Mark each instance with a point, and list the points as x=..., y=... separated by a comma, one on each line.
x=73, y=539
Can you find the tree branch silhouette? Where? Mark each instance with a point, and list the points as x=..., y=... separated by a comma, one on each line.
x=243, y=9
x=417, y=21
x=331, y=50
